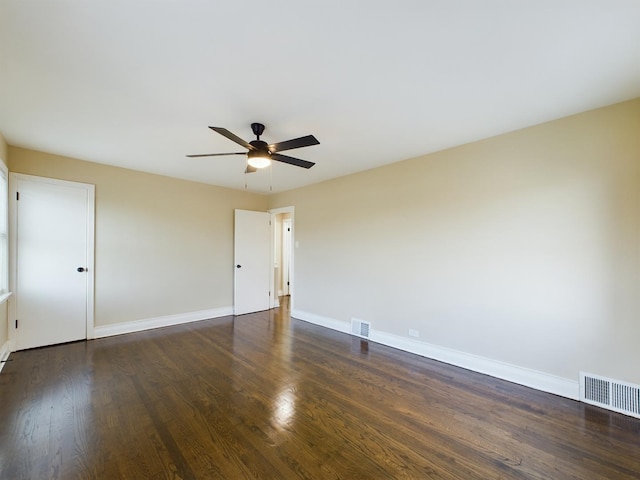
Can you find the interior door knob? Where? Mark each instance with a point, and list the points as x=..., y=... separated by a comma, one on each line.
x=81, y=269
x=238, y=266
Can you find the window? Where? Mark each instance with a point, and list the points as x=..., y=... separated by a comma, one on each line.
x=4, y=230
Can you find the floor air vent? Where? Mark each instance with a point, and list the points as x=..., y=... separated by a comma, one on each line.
x=360, y=328
x=611, y=394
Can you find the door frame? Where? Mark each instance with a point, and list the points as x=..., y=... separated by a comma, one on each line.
x=273, y=287
x=14, y=178
x=286, y=255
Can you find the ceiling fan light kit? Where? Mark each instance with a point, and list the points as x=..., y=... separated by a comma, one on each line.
x=258, y=159
x=259, y=153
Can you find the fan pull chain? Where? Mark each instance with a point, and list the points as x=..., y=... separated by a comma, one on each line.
x=271, y=177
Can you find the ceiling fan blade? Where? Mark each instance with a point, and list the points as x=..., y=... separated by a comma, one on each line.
x=216, y=154
x=294, y=143
x=250, y=169
x=234, y=138
x=291, y=161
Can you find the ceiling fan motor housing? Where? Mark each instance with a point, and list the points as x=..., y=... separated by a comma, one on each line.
x=260, y=146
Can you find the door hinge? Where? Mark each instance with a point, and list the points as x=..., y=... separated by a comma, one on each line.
x=17, y=195
x=16, y=323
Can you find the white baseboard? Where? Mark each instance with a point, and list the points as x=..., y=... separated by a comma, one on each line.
x=5, y=351
x=158, y=322
x=331, y=323
x=495, y=368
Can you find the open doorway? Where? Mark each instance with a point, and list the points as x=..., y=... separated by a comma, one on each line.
x=283, y=241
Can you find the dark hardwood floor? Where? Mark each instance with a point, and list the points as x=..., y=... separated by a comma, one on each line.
x=269, y=397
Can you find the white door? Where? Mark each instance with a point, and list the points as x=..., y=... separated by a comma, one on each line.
x=54, y=261
x=252, y=261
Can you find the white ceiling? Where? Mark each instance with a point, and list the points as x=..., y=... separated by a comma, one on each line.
x=135, y=83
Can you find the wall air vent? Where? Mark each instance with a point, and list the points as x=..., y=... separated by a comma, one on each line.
x=611, y=394
x=360, y=328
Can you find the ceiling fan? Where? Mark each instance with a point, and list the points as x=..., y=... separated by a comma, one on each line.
x=260, y=153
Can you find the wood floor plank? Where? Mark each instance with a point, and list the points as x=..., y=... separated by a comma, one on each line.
x=264, y=396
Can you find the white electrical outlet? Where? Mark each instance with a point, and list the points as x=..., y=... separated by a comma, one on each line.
x=414, y=333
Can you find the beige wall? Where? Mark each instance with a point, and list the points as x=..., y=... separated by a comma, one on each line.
x=4, y=333
x=523, y=248
x=163, y=246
